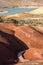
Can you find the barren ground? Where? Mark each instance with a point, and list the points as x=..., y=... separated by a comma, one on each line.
x=32, y=37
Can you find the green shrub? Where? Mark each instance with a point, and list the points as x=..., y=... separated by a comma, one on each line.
x=14, y=21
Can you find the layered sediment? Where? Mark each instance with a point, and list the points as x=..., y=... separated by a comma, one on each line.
x=30, y=36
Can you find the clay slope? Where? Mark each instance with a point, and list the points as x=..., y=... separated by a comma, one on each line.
x=30, y=36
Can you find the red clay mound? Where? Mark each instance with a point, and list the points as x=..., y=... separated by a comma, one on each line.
x=30, y=36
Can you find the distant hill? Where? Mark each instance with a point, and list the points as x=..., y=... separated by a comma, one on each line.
x=14, y=3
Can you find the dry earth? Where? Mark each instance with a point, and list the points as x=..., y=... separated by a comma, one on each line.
x=21, y=3
x=32, y=37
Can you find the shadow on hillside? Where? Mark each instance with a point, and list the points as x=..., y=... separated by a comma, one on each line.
x=9, y=52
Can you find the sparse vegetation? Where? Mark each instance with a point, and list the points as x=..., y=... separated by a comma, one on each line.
x=31, y=22
x=35, y=22
x=1, y=20
x=14, y=21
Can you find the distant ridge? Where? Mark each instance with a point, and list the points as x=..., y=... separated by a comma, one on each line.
x=14, y=3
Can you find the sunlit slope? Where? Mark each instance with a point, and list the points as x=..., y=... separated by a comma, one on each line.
x=37, y=11
x=31, y=36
